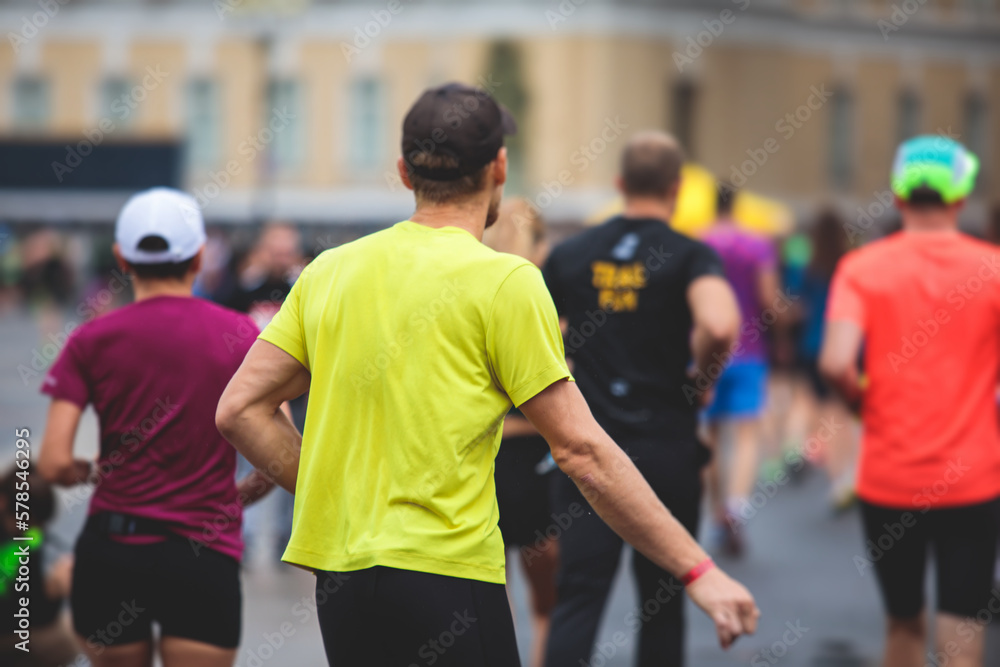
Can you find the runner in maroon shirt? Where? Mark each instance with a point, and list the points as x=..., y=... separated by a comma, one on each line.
x=162, y=541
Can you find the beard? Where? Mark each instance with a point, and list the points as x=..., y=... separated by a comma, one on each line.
x=493, y=212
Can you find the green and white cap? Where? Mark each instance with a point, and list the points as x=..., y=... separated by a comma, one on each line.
x=935, y=162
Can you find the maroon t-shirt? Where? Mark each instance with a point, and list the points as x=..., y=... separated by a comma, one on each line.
x=154, y=371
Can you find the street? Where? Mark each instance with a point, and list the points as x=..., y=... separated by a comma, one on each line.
x=806, y=567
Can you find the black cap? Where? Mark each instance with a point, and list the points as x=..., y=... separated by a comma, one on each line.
x=462, y=122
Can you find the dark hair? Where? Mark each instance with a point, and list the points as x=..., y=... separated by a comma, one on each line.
x=651, y=166
x=441, y=192
x=43, y=500
x=829, y=242
x=725, y=197
x=163, y=270
x=925, y=197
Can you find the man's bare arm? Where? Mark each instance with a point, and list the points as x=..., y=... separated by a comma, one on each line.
x=838, y=359
x=55, y=460
x=250, y=416
x=716, y=317
x=768, y=287
x=253, y=487
x=617, y=491
x=256, y=485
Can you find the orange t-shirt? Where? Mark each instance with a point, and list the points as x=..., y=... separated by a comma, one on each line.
x=929, y=307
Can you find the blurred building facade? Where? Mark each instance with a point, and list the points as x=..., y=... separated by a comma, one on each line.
x=292, y=109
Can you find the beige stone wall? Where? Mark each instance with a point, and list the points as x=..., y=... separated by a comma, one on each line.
x=8, y=64
x=877, y=87
x=161, y=112
x=577, y=86
x=74, y=73
x=240, y=69
x=743, y=130
x=944, y=89
x=323, y=73
x=570, y=101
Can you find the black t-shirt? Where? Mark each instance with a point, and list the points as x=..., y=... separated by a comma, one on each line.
x=262, y=301
x=622, y=287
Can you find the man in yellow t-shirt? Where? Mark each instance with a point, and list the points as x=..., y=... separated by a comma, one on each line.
x=413, y=344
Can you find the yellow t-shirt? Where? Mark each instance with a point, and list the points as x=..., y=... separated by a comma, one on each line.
x=418, y=341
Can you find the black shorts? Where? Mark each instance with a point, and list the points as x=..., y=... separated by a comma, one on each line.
x=385, y=617
x=522, y=494
x=120, y=590
x=819, y=386
x=964, y=540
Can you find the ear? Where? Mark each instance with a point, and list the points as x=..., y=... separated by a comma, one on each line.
x=403, y=174
x=900, y=203
x=674, y=189
x=500, y=167
x=122, y=263
x=195, y=267
x=620, y=185
x=958, y=206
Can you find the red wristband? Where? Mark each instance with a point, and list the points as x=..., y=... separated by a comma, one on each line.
x=696, y=571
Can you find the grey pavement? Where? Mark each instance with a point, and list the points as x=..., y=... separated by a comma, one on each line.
x=818, y=609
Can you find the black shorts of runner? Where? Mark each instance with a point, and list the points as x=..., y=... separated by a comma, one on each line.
x=820, y=388
x=385, y=617
x=522, y=494
x=964, y=541
x=120, y=590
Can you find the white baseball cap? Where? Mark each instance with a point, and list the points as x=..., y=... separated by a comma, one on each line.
x=164, y=212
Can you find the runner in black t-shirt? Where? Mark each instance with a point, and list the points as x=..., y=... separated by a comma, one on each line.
x=641, y=303
x=264, y=282
x=268, y=274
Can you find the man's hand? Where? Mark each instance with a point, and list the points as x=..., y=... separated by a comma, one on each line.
x=86, y=471
x=55, y=463
x=706, y=397
x=250, y=413
x=253, y=487
x=716, y=318
x=617, y=491
x=60, y=578
x=727, y=602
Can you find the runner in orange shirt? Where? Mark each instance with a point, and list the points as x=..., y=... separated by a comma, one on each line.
x=925, y=303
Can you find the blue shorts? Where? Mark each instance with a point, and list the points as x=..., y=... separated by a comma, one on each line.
x=741, y=391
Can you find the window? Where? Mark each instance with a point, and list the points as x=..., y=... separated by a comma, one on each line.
x=683, y=100
x=364, y=131
x=202, y=124
x=117, y=104
x=284, y=124
x=504, y=63
x=908, y=115
x=31, y=103
x=841, y=151
x=975, y=129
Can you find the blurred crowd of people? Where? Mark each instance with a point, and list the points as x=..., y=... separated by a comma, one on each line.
x=766, y=419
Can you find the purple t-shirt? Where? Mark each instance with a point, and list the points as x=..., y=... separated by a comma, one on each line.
x=744, y=257
x=154, y=371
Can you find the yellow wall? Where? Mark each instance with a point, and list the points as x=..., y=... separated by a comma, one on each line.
x=577, y=85
x=241, y=68
x=73, y=70
x=876, y=93
x=161, y=113
x=324, y=78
